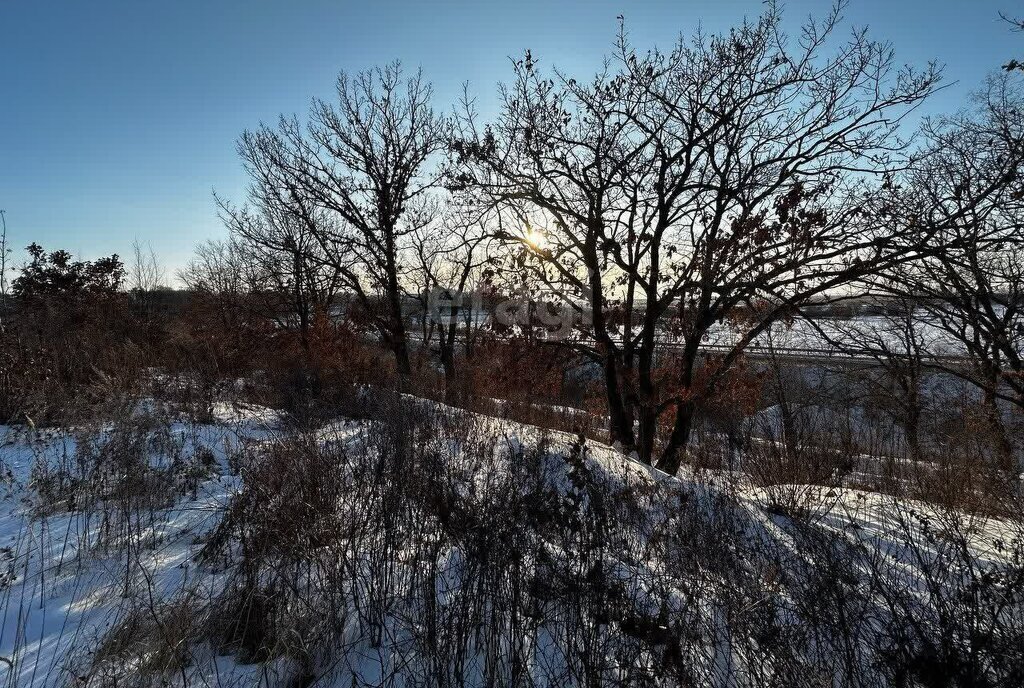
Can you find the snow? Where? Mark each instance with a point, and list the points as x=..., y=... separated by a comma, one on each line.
x=66, y=584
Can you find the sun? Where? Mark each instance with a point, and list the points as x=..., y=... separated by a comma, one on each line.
x=535, y=239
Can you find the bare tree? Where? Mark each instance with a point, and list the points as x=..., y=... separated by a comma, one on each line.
x=221, y=274
x=358, y=176
x=561, y=164
x=449, y=259
x=898, y=347
x=301, y=283
x=731, y=172
x=145, y=277
x=968, y=185
x=145, y=273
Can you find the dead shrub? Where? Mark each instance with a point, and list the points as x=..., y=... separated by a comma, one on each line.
x=147, y=646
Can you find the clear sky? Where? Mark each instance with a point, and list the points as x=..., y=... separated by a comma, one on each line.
x=118, y=118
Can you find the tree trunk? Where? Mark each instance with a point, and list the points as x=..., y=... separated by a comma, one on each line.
x=398, y=339
x=400, y=348
x=647, y=411
x=672, y=458
x=301, y=305
x=1001, y=444
x=648, y=426
x=912, y=422
x=620, y=421
x=446, y=339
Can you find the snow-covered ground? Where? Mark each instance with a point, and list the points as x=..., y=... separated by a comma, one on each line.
x=80, y=580
x=71, y=574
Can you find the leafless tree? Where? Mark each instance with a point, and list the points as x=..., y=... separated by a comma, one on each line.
x=969, y=186
x=731, y=172
x=221, y=273
x=145, y=278
x=215, y=268
x=145, y=273
x=359, y=177
x=301, y=282
x=449, y=259
x=897, y=350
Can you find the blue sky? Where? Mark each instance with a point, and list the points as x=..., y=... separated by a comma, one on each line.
x=118, y=118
